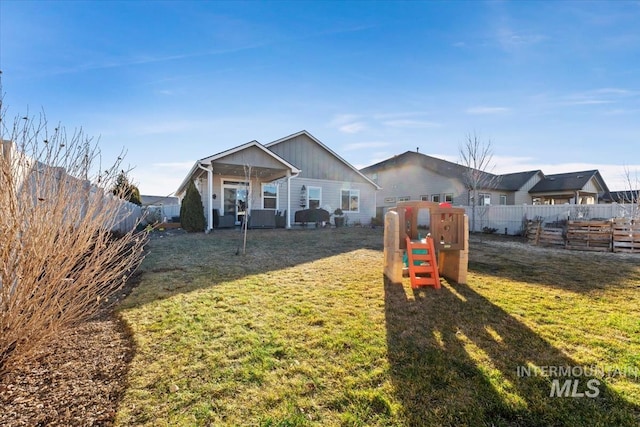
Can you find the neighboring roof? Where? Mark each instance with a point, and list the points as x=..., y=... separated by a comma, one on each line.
x=571, y=181
x=158, y=200
x=515, y=181
x=625, y=196
x=317, y=141
x=222, y=154
x=442, y=167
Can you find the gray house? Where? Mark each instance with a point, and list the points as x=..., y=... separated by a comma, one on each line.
x=290, y=174
x=581, y=188
x=416, y=176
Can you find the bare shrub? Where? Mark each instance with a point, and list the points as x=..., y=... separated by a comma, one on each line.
x=59, y=258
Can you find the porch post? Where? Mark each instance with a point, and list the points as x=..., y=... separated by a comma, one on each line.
x=288, y=219
x=209, y=170
x=210, y=199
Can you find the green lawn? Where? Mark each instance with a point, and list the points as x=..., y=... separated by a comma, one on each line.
x=303, y=330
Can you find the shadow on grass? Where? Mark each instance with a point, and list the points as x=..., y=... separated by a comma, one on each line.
x=181, y=263
x=548, y=266
x=455, y=358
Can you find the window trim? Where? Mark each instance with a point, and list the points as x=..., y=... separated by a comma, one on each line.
x=404, y=198
x=262, y=197
x=352, y=192
x=448, y=197
x=483, y=197
x=503, y=197
x=309, y=188
x=433, y=196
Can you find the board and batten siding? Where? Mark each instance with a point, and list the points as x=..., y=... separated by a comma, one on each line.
x=592, y=186
x=314, y=160
x=252, y=156
x=522, y=195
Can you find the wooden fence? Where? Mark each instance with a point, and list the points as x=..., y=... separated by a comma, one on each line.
x=626, y=236
x=617, y=235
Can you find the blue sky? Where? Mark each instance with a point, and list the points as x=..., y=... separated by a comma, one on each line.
x=553, y=85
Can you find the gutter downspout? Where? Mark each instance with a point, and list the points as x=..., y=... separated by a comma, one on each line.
x=289, y=197
x=210, y=197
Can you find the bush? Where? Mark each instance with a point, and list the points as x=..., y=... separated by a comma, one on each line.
x=60, y=260
x=192, y=210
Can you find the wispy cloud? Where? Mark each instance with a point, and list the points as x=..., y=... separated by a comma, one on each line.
x=144, y=59
x=597, y=96
x=400, y=115
x=348, y=123
x=411, y=124
x=511, y=40
x=487, y=110
x=354, y=127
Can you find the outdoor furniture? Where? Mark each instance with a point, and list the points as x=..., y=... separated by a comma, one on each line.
x=312, y=215
x=225, y=221
x=262, y=218
x=281, y=219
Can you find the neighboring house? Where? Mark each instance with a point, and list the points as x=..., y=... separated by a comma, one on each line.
x=416, y=176
x=159, y=200
x=161, y=208
x=293, y=173
x=581, y=188
x=625, y=196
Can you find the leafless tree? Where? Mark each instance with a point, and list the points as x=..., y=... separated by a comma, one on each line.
x=631, y=195
x=477, y=158
x=59, y=260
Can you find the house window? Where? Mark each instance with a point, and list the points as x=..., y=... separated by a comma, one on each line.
x=448, y=198
x=404, y=198
x=269, y=196
x=484, y=199
x=350, y=201
x=389, y=199
x=424, y=198
x=314, y=197
x=435, y=198
x=503, y=199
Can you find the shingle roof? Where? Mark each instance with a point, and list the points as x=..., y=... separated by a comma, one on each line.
x=507, y=182
x=515, y=181
x=442, y=167
x=571, y=181
x=625, y=196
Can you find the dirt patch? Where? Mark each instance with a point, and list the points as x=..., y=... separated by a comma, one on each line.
x=76, y=380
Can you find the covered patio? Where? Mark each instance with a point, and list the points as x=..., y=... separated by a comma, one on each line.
x=248, y=179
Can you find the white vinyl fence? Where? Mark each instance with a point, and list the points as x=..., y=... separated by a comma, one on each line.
x=511, y=219
x=128, y=216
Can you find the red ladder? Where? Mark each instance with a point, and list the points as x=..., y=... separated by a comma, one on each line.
x=423, y=268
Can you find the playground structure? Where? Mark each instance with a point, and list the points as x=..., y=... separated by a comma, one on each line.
x=442, y=249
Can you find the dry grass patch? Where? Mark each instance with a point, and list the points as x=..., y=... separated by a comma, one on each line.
x=304, y=331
